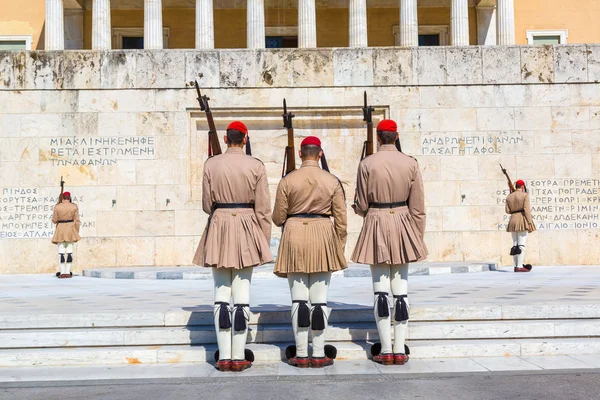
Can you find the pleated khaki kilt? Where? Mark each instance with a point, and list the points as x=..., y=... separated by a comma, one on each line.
x=65, y=232
x=232, y=239
x=388, y=236
x=518, y=223
x=309, y=245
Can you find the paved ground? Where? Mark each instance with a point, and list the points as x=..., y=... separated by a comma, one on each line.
x=476, y=386
x=38, y=294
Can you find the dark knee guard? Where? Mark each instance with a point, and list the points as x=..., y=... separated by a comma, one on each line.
x=240, y=317
x=401, y=313
x=318, y=317
x=383, y=307
x=224, y=315
x=62, y=258
x=303, y=313
x=70, y=258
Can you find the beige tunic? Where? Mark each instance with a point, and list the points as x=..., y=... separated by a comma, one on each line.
x=310, y=245
x=235, y=238
x=66, y=231
x=390, y=236
x=519, y=208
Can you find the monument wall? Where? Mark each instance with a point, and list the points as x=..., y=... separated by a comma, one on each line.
x=125, y=132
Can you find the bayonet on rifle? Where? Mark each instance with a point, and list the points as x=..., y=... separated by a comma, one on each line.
x=62, y=189
x=511, y=187
x=214, y=146
x=368, y=118
x=289, y=160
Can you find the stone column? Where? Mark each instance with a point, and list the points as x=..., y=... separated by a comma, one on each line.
x=255, y=26
x=486, y=26
x=358, y=23
x=153, y=27
x=506, y=22
x=409, y=26
x=205, y=26
x=307, y=24
x=101, y=34
x=459, y=23
x=55, y=25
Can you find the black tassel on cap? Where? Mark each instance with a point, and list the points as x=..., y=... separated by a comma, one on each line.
x=248, y=147
x=239, y=317
x=383, y=307
x=303, y=313
x=318, y=316
x=398, y=146
x=224, y=315
x=324, y=163
x=401, y=313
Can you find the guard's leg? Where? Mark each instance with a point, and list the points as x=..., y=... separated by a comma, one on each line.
x=380, y=273
x=62, y=250
x=69, y=263
x=319, y=285
x=300, y=319
x=514, y=251
x=240, y=291
x=222, y=281
x=399, y=277
x=521, y=238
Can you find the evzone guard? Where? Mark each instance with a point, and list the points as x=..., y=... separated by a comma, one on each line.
x=235, y=194
x=390, y=197
x=66, y=219
x=518, y=205
x=311, y=248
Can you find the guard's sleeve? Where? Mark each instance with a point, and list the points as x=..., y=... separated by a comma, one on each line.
x=262, y=203
x=506, y=207
x=416, y=202
x=76, y=219
x=362, y=201
x=527, y=210
x=280, y=210
x=206, y=192
x=55, y=216
x=338, y=210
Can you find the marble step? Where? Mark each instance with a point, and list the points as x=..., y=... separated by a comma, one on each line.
x=274, y=352
x=203, y=316
x=275, y=333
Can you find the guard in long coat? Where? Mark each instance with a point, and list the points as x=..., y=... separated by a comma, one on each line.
x=66, y=234
x=235, y=194
x=520, y=223
x=311, y=248
x=390, y=197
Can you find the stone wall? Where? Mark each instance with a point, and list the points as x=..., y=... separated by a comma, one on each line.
x=127, y=135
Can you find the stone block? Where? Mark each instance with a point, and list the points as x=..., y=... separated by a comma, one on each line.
x=442, y=193
x=513, y=95
x=10, y=125
x=555, y=142
x=24, y=149
x=431, y=65
x=556, y=95
x=178, y=250
x=237, y=68
x=179, y=100
x=154, y=223
x=458, y=119
x=160, y=69
x=456, y=96
x=537, y=64
x=495, y=119
x=570, y=63
x=115, y=223
x=595, y=117
x=461, y=218
x=538, y=167
x=43, y=70
x=479, y=193
x=40, y=125
x=134, y=198
x=570, y=118
x=275, y=68
x=81, y=69
x=533, y=118
x=116, y=124
x=79, y=124
x=449, y=245
x=122, y=173
x=7, y=75
x=464, y=65
x=559, y=247
x=588, y=240
x=501, y=65
x=492, y=219
x=586, y=142
x=63, y=101
x=431, y=167
x=434, y=219
x=353, y=67
x=165, y=172
x=190, y=222
x=177, y=195
x=97, y=252
x=593, y=56
x=118, y=69
x=172, y=148
x=202, y=66
x=584, y=95
x=313, y=67
x=392, y=66
x=460, y=168
x=135, y=251
x=573, y=166
x=419, y=120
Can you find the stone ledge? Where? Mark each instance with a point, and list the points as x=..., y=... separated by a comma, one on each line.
x=341, y=67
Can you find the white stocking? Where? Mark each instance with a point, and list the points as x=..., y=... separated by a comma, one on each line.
x=319, y=285
x=380, y=273
x=519, y=239
x=399, y=274
x=299, y=291
x=240, y=290
x=62, y=250
x=69, y=264
x=222, y=281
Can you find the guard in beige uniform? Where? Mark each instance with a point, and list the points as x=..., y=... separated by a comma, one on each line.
x=520, y=223
x=66, y=218
x=311, y=248
x=236, y=195
x=390, y=197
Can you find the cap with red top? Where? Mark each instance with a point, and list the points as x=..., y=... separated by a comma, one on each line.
x=311, y=140
x=238, y=126
x=387, y=125
x=67, y=195
x=520, y=183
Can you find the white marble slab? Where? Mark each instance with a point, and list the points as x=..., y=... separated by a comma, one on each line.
x=507, y=364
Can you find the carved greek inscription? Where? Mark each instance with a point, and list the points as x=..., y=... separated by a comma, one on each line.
x=457, y=144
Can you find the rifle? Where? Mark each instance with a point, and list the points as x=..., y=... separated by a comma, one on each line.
x=62, y=190
x=368, y=118
x=214, y=146
x=511, y=187
x=289, y=159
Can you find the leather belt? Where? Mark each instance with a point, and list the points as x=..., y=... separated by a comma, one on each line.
x=517, y=212
x=233, y=205
x=308, y=216
x=64, y=221
x=388, y=205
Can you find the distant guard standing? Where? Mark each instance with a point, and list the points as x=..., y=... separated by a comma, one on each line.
x=235, y=194
x=66, y=218
x=390, y=197
x=311, y=248
x=520, y=224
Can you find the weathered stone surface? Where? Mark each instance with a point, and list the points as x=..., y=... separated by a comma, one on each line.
x=464, y=65
x=593, y=57
x=7, y=76
x=162, y=69
x=43, y=70
x=118, y=69
x=393, y=66
x=313, y=67
x=537, y=64
x=203, y=67
x=237, y=68
x=353, y=67
x=75, y=124
x=570, y=118
x=540, y=119
x=573, y=166
x=431, y=66
x=570, y=63
x=275, y=68
x=495, y=119
x=501, y=65
x=81, y=69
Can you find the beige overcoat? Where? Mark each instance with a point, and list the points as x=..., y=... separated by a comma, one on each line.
x=519, y=208
x=310, y=245
x=66, y=231
x=235, y=238
x=391, y=235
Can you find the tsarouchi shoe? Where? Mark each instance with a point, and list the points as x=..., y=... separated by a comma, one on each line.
x=400, y=359
x=320, y=362
x=300, y=362
x=240, y=365
x=385, y=359
x=518, y=269
x=224, y=365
